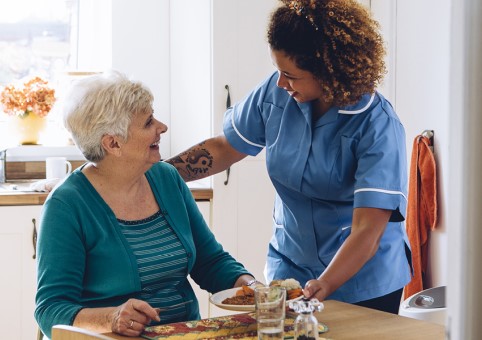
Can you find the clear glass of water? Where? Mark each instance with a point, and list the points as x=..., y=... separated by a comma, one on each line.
x=270, y=312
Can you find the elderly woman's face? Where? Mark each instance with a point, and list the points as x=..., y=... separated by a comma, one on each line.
x=144, y=137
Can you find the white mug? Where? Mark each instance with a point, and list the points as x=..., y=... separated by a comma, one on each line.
x=57, y=167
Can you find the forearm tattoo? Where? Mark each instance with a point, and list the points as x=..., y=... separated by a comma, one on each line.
x=194, y=163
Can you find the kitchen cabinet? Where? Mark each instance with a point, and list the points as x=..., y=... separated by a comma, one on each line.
x=202, y=295
x=225, y=51
x=242, y=208
x=17, y=260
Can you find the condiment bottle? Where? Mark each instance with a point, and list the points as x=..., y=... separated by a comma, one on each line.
x=306, y=324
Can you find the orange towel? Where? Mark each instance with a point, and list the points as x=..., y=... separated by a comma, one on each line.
x=421, y=210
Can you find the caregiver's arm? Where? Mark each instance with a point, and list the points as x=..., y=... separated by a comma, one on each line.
x=206, y=158
x=362, y=244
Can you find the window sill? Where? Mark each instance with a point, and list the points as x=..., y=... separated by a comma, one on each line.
x=29, y=153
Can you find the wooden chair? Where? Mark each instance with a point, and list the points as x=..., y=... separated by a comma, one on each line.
x=40, y=335
x=64, y=332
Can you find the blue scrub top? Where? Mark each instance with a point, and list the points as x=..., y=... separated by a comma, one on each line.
x=350, y=157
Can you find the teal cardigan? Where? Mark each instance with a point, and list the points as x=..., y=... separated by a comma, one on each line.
x=85, y=261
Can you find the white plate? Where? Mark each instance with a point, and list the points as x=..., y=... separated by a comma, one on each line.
x=217, y=299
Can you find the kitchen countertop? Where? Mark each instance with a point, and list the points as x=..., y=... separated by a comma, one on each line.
x=32, y=170
x=38, y=198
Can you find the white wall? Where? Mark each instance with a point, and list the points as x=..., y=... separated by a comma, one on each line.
x=160, y=42
x=419, y=87
x=423, y=100
x=386, y=14
x=464, y=293
x=140, y=41
x=190, y=84
x=94, y=46
x=437, y=71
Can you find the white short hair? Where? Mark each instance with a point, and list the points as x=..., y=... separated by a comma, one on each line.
x=102, y=104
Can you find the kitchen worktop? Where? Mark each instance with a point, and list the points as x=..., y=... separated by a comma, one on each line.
x=199, y=190
x=35, y=170
x=38, y=198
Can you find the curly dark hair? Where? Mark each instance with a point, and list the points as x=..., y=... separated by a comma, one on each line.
x=336, y=40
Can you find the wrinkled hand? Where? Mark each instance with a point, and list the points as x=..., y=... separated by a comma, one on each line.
x=319, y=289
x=258, y=284
x=132, y=317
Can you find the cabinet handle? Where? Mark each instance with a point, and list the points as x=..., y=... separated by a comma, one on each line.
x=228, y=105
x=228, y=97
x=34, y=238
x=228, y=170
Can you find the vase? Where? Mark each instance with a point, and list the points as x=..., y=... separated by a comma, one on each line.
x=28, y=128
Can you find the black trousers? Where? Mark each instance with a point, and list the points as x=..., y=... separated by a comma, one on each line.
x=387, y=303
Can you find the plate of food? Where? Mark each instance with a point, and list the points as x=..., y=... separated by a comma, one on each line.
x=242, y=298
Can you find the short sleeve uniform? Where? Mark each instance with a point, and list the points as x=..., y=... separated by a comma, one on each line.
x=350, y=157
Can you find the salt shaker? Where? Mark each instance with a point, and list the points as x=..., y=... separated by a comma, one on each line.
x=306, y=325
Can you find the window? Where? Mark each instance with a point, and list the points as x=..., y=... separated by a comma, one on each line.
x=37, y=38
x=52, y=39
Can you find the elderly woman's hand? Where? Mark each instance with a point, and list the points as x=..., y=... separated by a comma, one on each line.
x=132, y=317
x=247, y=280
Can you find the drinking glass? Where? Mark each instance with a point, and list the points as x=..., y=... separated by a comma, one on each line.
x=270, y=305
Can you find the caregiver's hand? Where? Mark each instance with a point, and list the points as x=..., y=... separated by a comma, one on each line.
x=319, y=289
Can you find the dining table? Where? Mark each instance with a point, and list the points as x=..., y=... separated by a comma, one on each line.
x=346, y=321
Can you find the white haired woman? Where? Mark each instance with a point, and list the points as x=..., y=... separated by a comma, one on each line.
x=120, y=235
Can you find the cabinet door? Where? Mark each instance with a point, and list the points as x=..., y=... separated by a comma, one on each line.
x=242, y=208
x=202, y=295
x=230, y=49
x=242, y=205
x=17, y=260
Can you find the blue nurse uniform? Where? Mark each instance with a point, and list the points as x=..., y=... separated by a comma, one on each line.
x=351, y=157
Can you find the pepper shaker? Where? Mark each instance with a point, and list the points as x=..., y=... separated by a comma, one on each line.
x=306, y=324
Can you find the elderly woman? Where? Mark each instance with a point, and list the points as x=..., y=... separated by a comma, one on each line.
x=120, y=235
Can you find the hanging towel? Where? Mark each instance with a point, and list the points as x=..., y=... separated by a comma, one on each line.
x=421, y=210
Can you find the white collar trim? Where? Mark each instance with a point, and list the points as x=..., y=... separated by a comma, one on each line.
x=355, y=112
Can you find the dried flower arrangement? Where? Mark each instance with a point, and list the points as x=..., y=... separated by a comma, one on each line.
x=35, y=96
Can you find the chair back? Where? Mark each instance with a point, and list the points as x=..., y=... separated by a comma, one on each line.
x=64, y=332
x=40, y=335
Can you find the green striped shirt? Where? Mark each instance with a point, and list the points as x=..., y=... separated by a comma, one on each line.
x=161, y=261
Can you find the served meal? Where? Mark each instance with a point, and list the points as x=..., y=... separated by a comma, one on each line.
x=245, y=295
x=293, y=287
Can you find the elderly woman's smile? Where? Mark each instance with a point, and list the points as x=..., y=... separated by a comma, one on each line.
x=144, y=134
x=155, y=145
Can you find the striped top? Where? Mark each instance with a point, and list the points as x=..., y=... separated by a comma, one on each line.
x=162, y=263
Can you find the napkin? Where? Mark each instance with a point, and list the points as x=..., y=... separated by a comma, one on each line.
x=45, y=185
